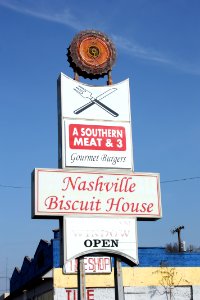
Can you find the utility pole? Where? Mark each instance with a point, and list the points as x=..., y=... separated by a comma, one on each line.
x=178, y=230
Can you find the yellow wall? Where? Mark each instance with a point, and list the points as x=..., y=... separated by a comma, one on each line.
x=134, y=277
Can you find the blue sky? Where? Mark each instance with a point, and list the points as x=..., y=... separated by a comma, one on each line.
x=158, y=48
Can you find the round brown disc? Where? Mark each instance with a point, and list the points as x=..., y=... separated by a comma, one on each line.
x=92, y=52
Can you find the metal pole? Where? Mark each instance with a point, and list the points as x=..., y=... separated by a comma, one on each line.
x=119, y=290
x=109, y=82
x=81, y=279
x=62, y=239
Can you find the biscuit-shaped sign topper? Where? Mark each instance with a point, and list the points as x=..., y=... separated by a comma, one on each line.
x=91, y=54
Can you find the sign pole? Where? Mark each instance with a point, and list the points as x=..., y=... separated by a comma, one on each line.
x=81, y=266
x=119, y=290
x=61, y=240
x=81, y=279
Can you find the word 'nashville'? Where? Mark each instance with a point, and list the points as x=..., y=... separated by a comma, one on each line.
x=123, y=184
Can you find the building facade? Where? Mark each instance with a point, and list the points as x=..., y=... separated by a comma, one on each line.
x=160, y=275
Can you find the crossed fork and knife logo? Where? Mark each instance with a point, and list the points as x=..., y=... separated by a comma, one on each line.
x=94, y=100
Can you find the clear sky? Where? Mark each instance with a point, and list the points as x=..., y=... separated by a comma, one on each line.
x=158, y=48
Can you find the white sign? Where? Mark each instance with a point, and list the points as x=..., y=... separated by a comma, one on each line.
x=82, y=101
x=102, y=145
x=92, y=235
x=60, y=192
x=93, y=265
x=94, y=125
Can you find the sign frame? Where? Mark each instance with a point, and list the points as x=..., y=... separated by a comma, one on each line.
x=50, y=188
x=111, y=152
x=118, y=96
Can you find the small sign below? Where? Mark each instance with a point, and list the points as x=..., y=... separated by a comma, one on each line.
x=93, y=265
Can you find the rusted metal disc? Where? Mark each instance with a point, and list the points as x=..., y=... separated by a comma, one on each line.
x=91, y=52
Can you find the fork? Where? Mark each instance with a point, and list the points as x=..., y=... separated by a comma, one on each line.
x=87, y=94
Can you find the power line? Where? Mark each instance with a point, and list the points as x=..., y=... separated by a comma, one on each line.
x=165, y=181
x=181, y=179
x=14, y=187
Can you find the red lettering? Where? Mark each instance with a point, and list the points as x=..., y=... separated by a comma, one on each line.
x=68, y=203
x=51, y=202
x=68, y=181
x=135, y=207
x=91, y=186
x=70, y=263
x=132, y=187
x=112, y=204
x=73, y=205
x=99, y=184
x=68, y=294
x=90, y=294
x=121, y=184
x=84, y=206
x=107, y=262
x=126, y=185
x=76, y=265
x=91, y=263
x=125, y=207
x=72, y=294
x=61, y=205
x=143, y=209
x=132, y=207
x=100, y=263
x=82, y=186
x=149, y=207
x=109, y=186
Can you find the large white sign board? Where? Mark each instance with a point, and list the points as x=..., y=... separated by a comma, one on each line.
x=94, y=125
x=91, y=235
x=61, y=192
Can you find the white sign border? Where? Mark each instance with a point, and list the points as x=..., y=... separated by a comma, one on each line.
x=64, y=81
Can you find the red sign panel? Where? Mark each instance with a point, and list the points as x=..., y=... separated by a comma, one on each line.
x=97, y=137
